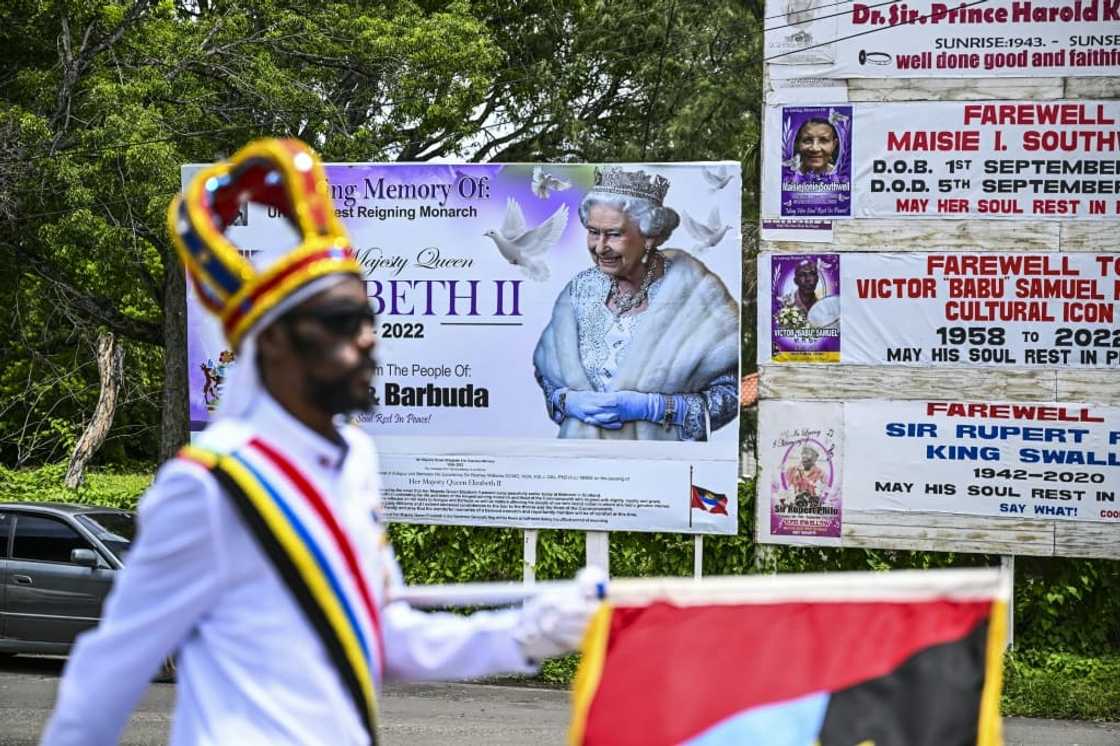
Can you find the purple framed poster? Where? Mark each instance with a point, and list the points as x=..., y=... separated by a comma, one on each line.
x=816, y=161
x=800, y=487
x=805, y=308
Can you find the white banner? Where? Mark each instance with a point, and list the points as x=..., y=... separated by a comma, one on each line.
x=925, y=39
x=823, y=460
x=946, y=159
x=494, y=332
x=1044, y=460
x=617, y=494
x=940, y=309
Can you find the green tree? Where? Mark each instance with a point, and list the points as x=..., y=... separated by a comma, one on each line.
x=102, y=102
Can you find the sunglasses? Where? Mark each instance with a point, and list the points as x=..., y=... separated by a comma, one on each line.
x=340, y=321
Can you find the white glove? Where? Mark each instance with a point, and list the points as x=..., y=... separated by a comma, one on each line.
x=553, y=623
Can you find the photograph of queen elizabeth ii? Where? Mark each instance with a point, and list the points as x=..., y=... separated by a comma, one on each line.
x=643, y=344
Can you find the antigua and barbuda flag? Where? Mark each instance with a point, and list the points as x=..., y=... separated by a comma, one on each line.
x=708, y=501
x=908, y=658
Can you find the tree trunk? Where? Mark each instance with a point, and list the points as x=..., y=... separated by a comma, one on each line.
x=176, y=426
x=110, y=368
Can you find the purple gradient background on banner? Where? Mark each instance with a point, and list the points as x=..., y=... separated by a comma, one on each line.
x=835, y=198
x=783, y=289
x=394, y=235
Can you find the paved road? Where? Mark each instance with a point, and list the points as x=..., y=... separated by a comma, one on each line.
x=423, y=714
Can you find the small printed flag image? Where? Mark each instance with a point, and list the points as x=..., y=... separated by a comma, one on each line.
x=907, y=658
x=708, y=501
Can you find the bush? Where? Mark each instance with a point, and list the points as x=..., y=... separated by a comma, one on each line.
x=44, y=484
x=1061, y=685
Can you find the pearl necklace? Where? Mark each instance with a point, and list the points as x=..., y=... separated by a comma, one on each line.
x=630, y=301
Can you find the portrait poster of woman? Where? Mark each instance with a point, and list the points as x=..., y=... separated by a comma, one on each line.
x=643, y=341
x=558, y=344
x=816, y=161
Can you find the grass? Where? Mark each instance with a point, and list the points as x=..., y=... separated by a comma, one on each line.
x=1061, y=686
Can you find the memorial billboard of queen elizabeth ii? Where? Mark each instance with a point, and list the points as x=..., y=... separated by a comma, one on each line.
x=558, y=344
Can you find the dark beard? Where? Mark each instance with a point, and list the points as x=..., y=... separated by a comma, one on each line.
x=335, y=395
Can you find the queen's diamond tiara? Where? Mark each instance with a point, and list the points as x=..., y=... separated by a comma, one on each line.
x=614, y=180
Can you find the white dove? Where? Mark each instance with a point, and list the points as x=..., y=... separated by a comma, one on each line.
x=717, y=178
x=545, y=183
x=520, y=245
x=708, y=234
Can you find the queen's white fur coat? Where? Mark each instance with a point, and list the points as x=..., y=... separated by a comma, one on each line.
x=687, y=336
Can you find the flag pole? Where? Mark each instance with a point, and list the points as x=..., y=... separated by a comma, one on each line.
x=690, y=495
x=895, y=585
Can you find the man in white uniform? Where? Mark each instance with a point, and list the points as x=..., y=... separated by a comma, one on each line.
x=261, y=559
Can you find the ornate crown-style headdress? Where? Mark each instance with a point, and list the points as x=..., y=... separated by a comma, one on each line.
x=283, y=174
x=613, y=180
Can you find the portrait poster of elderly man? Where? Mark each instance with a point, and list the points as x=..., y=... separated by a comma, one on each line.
x=805, y=308
x=805, y=497
x=643, y=343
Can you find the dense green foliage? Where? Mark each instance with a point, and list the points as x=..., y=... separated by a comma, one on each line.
x=1066, y=662
x=101, y=102
x=1061, y=685
x=105, y=488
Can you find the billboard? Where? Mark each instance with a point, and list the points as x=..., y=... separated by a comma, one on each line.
x=522, y=379
x=1031, y=461
x=945, y=159
x=938, y=309
x=926, y=39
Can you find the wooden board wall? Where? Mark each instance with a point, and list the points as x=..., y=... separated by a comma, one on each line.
x=948, y=532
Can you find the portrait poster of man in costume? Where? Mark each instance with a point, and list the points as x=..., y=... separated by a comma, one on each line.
x=805, y=493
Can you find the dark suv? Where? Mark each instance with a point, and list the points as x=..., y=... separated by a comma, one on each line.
x=57, y=564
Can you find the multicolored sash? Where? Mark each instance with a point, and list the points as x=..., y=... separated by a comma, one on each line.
x=300, y=534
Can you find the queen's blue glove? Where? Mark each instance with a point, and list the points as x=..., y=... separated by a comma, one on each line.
x=591, y=407
x=634, y=405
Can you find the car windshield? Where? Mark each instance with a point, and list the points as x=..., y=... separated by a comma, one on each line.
x=114, y=530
